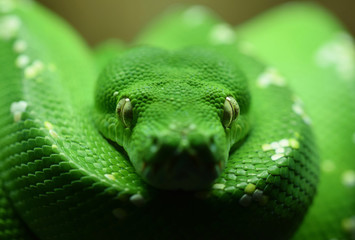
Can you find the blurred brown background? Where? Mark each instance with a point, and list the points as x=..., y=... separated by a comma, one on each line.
x=123, y=19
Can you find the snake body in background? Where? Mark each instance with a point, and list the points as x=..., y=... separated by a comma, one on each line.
x=193, y=111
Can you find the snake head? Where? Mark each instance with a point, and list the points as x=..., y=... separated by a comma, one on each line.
x=174, y=113
x=178, y=147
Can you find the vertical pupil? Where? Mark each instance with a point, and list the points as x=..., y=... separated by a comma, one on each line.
x=231, y=111
x=124, y=111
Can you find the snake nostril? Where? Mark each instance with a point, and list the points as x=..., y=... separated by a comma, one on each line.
x=155, y=140
x=211, y=140
x=154, y=146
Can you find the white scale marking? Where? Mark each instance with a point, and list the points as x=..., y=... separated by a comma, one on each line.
x=339, y=53
x=275, y=145
x=348, y=178
x=9, y=26
x=280, y=150
x=195, y=15
x=49, y=126
x=22, y=61
x=284, y=143
x=222, y=34
x=34, y=69
x=110, y=177
x=53, y=133
x=20, y=46
x=279, y=147
x=297, y=108
x=277, y=156
x=17, y=108
x=271, y=76
x=219, y=186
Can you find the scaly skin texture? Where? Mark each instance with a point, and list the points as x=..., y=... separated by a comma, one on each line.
x=68, y=163
x=167, y=146
x=328, y=59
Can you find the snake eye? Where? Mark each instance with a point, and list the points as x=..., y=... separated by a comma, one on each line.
x=231, y=111
x=124, y=111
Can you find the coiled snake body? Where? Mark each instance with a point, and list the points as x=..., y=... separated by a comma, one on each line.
x=187, y=135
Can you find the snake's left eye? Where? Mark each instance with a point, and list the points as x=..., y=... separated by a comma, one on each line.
x=124, y=111
x=231, y=111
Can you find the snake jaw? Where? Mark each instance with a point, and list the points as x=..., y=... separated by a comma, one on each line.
x=169, y=177
x=175, y=166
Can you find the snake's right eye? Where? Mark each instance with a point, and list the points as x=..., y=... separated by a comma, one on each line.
x=231, y=111
x=124, y=111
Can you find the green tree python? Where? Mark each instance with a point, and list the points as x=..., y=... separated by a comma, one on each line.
x=196, y=130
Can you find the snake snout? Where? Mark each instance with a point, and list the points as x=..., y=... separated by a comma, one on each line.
x=186, y=165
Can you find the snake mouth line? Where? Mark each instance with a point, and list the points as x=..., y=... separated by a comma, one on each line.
x=218, y=167
x=119, y=149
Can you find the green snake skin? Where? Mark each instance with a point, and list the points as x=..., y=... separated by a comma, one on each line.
x=196, y=131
